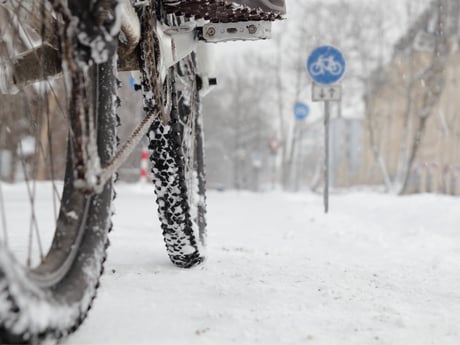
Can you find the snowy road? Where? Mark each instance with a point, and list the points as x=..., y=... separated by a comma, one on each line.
x=379, y=269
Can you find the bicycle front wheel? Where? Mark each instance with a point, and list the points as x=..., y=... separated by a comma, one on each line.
x=52, y=250
x=177, y=156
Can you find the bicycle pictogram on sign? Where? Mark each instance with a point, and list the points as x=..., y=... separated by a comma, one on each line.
x=326, y=65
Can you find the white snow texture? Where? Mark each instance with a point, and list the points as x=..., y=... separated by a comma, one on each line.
x=379, y=269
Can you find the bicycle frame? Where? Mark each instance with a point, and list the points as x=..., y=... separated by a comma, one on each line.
x=174, y=42
x=174, y=45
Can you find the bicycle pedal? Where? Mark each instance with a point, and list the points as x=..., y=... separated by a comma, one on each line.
x=223, y=11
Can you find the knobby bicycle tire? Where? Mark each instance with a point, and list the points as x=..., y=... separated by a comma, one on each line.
x=177, y=158
x=51, y=300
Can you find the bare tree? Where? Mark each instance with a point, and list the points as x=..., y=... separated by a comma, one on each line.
x=434, y=80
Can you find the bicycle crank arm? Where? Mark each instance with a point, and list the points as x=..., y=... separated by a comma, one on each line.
x=174, y=46
x=130, y=32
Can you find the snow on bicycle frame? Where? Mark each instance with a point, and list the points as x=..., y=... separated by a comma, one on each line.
x=180, y=27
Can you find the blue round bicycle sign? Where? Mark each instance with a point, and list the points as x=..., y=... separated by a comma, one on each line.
x=326, y=65
x=301, y=111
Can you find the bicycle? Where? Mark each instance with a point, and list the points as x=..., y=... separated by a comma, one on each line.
x=58, y=89
x=326, y=64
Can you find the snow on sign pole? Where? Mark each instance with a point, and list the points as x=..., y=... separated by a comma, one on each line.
x=326, y=66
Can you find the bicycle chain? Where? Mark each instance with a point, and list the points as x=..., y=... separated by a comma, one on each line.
x=151, y=85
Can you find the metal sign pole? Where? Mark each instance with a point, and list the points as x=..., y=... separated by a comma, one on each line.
x=326, y=66
x=327, y=116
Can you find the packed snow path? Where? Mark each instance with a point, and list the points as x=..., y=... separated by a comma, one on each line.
x=378, y=269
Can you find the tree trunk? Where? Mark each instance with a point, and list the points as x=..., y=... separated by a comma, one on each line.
x=435, y=82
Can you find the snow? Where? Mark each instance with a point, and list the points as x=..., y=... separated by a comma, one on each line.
x=378, y=269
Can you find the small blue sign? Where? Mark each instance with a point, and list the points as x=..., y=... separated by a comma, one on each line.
x=301, y=111
x=326, y=65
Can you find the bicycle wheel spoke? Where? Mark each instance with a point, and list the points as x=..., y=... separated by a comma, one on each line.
x=33, y=224
x=51, y=164
x=29, y=245
x=38, y=114
x=3, y=216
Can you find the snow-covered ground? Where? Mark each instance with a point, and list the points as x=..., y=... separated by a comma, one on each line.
x=378, y=269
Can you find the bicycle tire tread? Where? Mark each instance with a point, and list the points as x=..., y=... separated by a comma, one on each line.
x=173, y=208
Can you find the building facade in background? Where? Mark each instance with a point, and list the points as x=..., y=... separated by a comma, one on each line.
x=400, y=122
